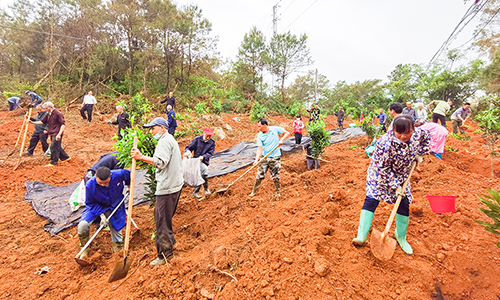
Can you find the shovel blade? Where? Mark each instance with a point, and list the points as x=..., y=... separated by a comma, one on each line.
x=381, y=246
x=82, y=262
x=121, y=269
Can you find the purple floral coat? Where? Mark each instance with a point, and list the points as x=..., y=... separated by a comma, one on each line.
x=391, y=164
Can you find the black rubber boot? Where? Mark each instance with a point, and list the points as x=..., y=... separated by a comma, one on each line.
x=195, y=192
x=205, y=185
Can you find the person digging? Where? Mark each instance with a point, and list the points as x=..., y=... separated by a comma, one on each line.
x=202, y=147
x=390, y=166
x=267, y=139
x=104, y=192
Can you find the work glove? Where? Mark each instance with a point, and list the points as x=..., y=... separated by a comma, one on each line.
x=188, y=154
x=419, y=159
x=126, y=190
x=399, y=191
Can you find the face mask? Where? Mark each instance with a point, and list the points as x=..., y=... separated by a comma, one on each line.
x=157, y=136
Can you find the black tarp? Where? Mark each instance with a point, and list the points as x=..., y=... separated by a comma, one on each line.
x=51, y=202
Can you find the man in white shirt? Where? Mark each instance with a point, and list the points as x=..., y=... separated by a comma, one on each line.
x=88, y=106
x=421, y=114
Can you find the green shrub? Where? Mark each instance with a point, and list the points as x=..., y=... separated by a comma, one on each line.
x=258, y=112
x=228, y=105
x=201, y=108
x=146, y=144
x=492, y=201
x=138, y=108
x=320, y=138
x=294, y=109
x=216, y=105
x=369, y=129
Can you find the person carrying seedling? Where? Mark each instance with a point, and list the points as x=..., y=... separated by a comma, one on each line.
x=170, y=179
x=103, y=193
x=312, y=163
x=268, y=139
x=459, y=117
x=202, y=147
x=390, y=166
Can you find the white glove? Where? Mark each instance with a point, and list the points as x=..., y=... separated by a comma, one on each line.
x=126, y=190
x=419, y=159
x=399, y=191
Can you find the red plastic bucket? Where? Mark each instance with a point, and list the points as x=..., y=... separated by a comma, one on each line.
x=442, y=204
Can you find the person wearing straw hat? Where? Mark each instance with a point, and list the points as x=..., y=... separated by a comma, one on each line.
x=103, y=193
x=170, y=179
x=202, y=147
x=390, y=166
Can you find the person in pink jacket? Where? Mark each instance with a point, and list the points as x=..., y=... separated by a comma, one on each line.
x=298, y=125
x=438, y=137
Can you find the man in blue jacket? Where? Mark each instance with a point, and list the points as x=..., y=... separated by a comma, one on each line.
x=172, y=121
x=104, y=192
x=35, y=99
x=202, y=147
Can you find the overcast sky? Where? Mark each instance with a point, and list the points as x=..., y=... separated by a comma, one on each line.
x=353, y=40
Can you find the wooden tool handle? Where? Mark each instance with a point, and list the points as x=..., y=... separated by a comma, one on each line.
x=25, y=133
x=254, y=165
x=25, y=121
x=398, y=201
x=130, y=202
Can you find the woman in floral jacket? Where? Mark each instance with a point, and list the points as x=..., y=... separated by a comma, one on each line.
x=390, y=166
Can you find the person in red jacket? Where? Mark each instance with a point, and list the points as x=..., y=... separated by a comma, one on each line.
x=298, y=125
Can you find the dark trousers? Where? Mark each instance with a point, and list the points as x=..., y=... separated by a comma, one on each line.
x=35, y=137
x=298, y=138
x=87, y=108
x=165, y=208
x=403, y=209
x=56, y=151
x=312, y=163
x=441, y=118
x=171, y=130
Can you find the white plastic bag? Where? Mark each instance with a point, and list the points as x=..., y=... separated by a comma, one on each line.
x=192, y=174
x=77, y=198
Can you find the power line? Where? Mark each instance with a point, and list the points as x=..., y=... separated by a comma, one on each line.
x=473, y=10
x=300, y=15
x=286, y=8
x=54, y=34
x=479, y=31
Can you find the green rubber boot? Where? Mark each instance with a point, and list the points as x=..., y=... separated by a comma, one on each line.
x=400, y=233
x=255, y=187
x=365, y=222
x=277, y=185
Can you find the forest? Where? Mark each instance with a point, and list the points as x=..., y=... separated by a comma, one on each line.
x=61, y=49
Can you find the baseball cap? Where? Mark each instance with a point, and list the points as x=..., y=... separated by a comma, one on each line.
x=159, y=121
x=208, y=131
x=27, y=92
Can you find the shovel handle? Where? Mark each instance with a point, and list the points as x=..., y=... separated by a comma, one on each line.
x=25, y=133
x=22, y=129
x=254, y=165
x=396, y=205
x=130, y=202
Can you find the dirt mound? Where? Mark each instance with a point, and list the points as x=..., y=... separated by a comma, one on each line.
x=234, y=246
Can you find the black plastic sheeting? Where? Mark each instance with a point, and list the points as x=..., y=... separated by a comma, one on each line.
x=51, y=202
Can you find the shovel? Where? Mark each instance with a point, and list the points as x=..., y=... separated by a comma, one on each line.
x=83, y=262
x=123, y=266
x=383, y=246
x=24, y=140
x=222, y=191
x=20, y=134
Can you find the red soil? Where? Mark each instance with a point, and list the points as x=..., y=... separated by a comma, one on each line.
x=233, y=246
